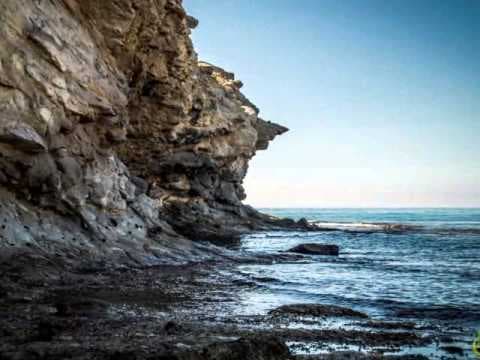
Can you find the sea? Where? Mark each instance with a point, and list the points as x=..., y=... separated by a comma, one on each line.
x=418, y=265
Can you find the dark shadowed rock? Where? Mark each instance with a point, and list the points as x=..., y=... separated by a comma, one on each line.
x=317, y=310
x=357, y=355
x=316, y=249
x=267, y=131
x=388, y=325
x=171, y=327
x=303, y=222
x=260, y=347
x=454, y=350
x=79, y=306
x=192, y=22
x=141, y=186
x=23, y=137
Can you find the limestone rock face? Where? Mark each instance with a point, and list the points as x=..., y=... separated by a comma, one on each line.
x=113, y=136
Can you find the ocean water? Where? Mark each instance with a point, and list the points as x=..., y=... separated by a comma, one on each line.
x=420, y=265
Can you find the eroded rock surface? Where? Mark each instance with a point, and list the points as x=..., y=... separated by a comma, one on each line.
x=114, y=138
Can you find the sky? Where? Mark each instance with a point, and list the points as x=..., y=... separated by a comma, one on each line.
x=382, y=98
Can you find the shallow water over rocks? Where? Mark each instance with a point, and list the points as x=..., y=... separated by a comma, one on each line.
x=425, y=271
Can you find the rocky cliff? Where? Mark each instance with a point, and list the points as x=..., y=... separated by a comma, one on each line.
x=113, y=136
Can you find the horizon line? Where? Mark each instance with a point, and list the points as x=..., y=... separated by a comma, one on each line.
x=368, y=207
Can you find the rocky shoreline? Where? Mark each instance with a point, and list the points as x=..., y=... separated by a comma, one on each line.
x=52, y=309
x=121, y=154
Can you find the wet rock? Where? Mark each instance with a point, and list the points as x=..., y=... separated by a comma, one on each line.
x=191, y=302
x=316, y=249
x=3, y=292
x=171, y=327
x=358, y=355
x=453, y=350
x=46, y=330
x=262, y=347
x=316, y=310
x=303, y=222
x=79, y=306
x=389, y=325
x=337, y=355
x=406, y=357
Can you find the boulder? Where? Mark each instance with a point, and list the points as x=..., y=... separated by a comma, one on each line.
x=317, y=310
x=316, y=249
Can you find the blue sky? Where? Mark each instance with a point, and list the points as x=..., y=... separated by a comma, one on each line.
x=382, y=98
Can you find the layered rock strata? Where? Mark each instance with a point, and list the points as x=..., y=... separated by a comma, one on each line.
x=113, y=136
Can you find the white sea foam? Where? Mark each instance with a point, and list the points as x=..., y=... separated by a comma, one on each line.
x=363, y=227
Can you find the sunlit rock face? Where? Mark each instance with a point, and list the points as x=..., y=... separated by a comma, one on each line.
x=113, y=137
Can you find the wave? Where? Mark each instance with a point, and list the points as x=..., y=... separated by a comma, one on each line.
x=379, y=227
x=365, y=227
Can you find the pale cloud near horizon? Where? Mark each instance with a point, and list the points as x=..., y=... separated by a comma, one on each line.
x=266, y=193
x=335, y=187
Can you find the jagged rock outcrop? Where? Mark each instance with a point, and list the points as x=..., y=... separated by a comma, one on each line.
x=113, y=136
